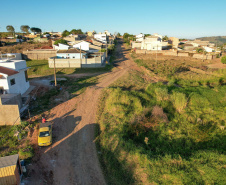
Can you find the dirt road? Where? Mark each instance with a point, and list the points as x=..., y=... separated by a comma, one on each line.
x=73, y=158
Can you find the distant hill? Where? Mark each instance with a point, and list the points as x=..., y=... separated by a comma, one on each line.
x=219, y=40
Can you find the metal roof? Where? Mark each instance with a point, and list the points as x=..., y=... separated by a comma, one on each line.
x=8, y=160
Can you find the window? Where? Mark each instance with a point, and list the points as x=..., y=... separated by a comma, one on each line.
x=26, y=76
x=12, y=81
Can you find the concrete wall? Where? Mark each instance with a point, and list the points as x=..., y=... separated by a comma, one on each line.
x=11, y=99
x=183, y=55
x=9, y=114
x=39, y=54
x=179, y=54
x=76, y=63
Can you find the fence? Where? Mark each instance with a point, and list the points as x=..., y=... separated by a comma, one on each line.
x=39, y=54
x=178, y=54
x=77, y=63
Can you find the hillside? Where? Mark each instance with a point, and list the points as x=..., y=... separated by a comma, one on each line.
x=219, y=40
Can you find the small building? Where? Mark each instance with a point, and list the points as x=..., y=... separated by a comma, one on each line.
x=152, y=43
x=101, y=37
x=140, y=37
x=174, y=41
x=71, y=54
x=87, y=46
x=188, y=47
x=13, y=76
x=61, y=47
x=90, y=33
x=10, y=170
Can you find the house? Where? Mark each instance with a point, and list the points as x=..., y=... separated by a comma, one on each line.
x=71, y=59
x=188, y=47
x=87, y=46
x=61, y=47
x=13, y=76
x=140, y=37
x=90, y=33
x=174, y=42
x=153, y=42
x=101, y=37
x=71, y=54
x=107, y=33
x=208, y=49
x=10, y=170
x=136, y=44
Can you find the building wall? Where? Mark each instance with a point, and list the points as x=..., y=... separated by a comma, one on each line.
x=11, y=99
x=84, y=46
x=7, y=175
x=39, y=54
x=9, y=114
x=20, y=86
x=71, y=55
x=76, y=63
x=136, y=44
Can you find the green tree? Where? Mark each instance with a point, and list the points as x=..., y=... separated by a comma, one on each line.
x=65, y=33
x=165, y=38
x=199, y=50
x=74, y=31
x=223, y=60
x=25, y=28
x=61, y=41
x=11, y=29
x=36, y=30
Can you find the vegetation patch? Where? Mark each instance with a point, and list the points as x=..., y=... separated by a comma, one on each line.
x=164, y=133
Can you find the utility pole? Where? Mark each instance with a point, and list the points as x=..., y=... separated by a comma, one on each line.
x=80, y=56
x=157, y=55
x=106, y=49
x=55, y=71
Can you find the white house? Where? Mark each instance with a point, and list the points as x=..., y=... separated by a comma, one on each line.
x=83, y=44
x=61, y=47
x=70, y=54
x=101, y=37
x=152, y=43
x=208, y=49
x=140, y=37
x=87, y=46
x=107, y=33
x=13, y=76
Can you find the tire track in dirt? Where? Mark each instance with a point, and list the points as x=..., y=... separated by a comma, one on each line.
x=72, y=158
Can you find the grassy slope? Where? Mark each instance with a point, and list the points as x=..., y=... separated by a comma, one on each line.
x=138, y=146
x=41, y=68
x=220, y=40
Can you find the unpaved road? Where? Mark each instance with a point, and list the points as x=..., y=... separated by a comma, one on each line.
x=73, y=158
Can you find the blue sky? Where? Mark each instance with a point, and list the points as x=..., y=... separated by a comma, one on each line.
x=179, y=18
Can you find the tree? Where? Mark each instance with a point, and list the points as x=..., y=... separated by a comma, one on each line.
x=11, y=29
x=74, y=31
x=146, y=35
x=36, y=30
x=223, y=60
x=25, y=28
x=61, y=41
x=165, y=38
x=65, y=33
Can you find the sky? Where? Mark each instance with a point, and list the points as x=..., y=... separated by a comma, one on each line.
x=178, y=18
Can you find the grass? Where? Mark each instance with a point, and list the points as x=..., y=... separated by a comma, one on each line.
x=41, y=68
x=139, y=145
x=14, y=144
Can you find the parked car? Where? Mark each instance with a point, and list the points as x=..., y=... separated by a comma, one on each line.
x=45, y=134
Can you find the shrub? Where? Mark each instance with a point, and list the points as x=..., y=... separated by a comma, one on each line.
x=223, y=60
x=61, y=41
x=161, y=94
x=179, y=101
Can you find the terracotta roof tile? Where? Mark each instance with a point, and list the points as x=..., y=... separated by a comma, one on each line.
x=8, y=71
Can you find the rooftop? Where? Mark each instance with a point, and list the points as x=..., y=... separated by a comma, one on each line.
x=8, y=160
x=8, y=71
x=71, y=51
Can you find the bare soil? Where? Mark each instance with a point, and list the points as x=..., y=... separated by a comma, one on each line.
x=73, y=158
